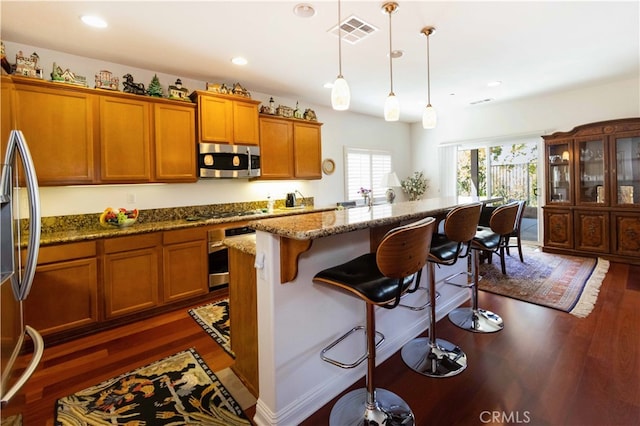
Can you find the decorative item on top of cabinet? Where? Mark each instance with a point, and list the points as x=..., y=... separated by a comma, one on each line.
x=155, y=89
x=592, y=182
x=176, y=91
x=105, y=80
x=129, y=86
x=27, y=66
x=67, y=76
x=4, y=63
x=284, y=111
x=310, y=115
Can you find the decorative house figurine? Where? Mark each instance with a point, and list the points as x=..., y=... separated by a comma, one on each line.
x=28, y=66
x=67, y=76
x=240, y=91
x=155, y=89
x=218, y=88
x=284, y=111
x=310, y=115
x=106, y=80
x=129, y=86
x=178, y=92
x=269, y=109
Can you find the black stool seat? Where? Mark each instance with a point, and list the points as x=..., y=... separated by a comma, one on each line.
x=444, y=250
x=380, y=279
x=363, y=277
x=486, y=239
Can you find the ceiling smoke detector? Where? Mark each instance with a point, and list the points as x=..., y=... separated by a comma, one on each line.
x=354, y=29
x=304, y=10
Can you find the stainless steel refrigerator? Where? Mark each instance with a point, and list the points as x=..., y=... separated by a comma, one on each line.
x=18, y=190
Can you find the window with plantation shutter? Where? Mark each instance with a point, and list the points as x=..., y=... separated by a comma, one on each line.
x=365, y=169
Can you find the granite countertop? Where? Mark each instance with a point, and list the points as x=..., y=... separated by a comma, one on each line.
x=244, y=243
x=58, y=230
x=326, y=223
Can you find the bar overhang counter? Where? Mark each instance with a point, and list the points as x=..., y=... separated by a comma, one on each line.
x=297, y=318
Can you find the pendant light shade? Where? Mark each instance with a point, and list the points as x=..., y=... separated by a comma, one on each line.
x=391, y=105
x=429, y=116
x=340, y=93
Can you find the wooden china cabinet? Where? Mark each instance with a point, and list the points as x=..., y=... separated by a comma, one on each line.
x=593, y=190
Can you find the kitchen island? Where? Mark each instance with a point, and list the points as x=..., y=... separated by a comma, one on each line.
x=297, y=318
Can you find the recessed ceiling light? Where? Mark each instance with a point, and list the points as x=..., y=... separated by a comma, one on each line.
x=94, y=21
x=238, y=60
x=396, y=54
x=495, y=83
x=304, y=10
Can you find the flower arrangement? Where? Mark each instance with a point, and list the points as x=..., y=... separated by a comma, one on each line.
x=415, y=186
x=366, y=193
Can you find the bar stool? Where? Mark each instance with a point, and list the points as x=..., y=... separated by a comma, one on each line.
x=380, y=279
x=491, y=240
x=431, y=356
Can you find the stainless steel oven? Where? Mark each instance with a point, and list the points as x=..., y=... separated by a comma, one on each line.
x=219, y=255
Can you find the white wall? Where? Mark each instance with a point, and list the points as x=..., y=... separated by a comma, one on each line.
x=340, y=129
x=541, y=115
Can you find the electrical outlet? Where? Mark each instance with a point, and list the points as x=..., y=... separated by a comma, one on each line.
x=131, y=198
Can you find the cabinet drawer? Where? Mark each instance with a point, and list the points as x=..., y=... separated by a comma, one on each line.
x=57, y=253
x=183, y=235
x=133, y=242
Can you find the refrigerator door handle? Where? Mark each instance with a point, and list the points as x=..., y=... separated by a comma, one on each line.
x=22, y=284
x=38, y=350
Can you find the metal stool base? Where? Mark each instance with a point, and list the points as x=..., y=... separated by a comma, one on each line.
x=478, y=320
x=389, y=409
x=444, y=359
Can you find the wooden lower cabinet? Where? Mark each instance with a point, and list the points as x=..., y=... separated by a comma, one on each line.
x=185, y=264
x=592, y=230
x=64, y=294
x=131, y=268
x=243, y=317
x=626, y=233
x=558, y=228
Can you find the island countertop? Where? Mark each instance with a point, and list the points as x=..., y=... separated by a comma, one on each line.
x=322, y=224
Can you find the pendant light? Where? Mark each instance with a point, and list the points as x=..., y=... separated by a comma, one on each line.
x=429, y=116
x=340, y=93
x=391, y=105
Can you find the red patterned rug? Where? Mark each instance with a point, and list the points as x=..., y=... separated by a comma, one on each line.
x=567, y=283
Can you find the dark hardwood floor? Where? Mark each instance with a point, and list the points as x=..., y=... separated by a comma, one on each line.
x=545, y=368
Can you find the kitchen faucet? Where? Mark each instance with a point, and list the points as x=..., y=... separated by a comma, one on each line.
x=301, y=196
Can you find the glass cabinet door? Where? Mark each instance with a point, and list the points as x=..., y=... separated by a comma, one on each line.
x=591, y=172
x=626, y=188
x=559, y=173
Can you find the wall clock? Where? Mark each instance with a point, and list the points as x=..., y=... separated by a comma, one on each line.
x=328, y=166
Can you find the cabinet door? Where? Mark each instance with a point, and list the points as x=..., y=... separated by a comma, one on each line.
x=625, y=151
x=185, y=264
x=592, y=183
x=245, y=123
x=558, y=172
x=215, y=118
x=307, y=150
x=69, y=271
x=58, y=126
x=558, y=228
x=592, y=230
x=276, y=148
x=131, y=274
x=174, y=143
x=124, y=140
x=626, y=233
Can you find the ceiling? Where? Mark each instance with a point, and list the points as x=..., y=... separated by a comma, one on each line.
x=533, y=47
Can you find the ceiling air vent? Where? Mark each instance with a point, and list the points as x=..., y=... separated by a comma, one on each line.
x=481, y=101
x=354, y=29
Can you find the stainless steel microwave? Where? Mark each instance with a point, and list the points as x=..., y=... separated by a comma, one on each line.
x=228, y=161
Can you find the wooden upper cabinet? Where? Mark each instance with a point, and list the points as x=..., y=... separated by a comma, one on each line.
x=289, y=149
x=276, y=148
x=58, y=126
x=226, y=119
x=307, y=150
x=125, y=141
x=175, y=143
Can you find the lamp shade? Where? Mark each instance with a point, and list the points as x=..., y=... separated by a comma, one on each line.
x=389, y=180
x=429, y=117
x=391, y=108
x=340, y=94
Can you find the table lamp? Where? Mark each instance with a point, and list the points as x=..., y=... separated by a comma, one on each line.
x=389, y=180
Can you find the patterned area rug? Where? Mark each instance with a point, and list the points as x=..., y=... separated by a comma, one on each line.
x=567, y=283
x=178, y=390
x=214, y=318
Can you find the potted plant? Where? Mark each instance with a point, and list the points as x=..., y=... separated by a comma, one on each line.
x=415, y=186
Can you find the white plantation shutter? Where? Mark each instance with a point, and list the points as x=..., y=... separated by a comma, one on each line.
x=365, y=169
